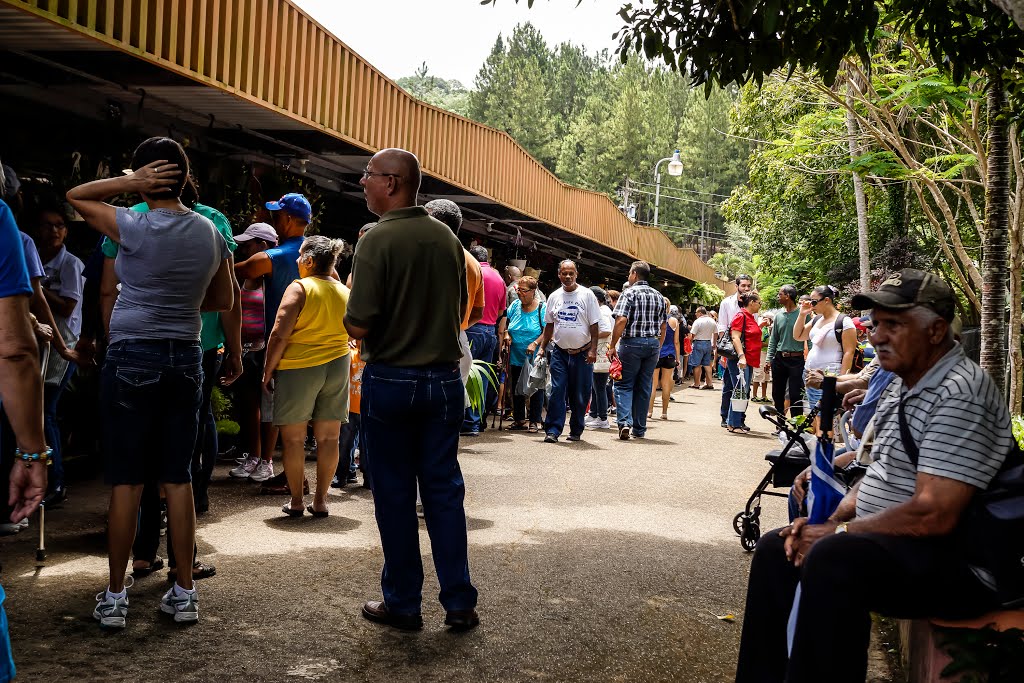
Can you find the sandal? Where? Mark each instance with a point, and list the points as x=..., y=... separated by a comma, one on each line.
x=199, y=571
x=534, y=429
x=518, y=427
x=154, y=566
x=316, y=513
x=292, y=512
x=695, y=386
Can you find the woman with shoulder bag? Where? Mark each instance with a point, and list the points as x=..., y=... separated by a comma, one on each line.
x=523, y=333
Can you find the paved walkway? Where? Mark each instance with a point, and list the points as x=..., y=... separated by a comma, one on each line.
x=596, y=561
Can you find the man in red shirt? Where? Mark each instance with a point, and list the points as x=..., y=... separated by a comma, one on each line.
x=484, y=335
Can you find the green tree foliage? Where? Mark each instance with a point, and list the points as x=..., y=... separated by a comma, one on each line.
x=449, y=95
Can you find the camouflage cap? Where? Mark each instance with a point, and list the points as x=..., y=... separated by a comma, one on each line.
x=910, y=288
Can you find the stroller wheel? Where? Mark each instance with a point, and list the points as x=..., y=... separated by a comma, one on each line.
x=750, y=536
x=737, y=523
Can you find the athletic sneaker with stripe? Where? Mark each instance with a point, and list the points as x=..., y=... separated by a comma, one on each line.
x=112, y=612
x=184, y=606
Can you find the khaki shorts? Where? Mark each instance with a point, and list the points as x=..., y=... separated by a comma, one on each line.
x=316, y=393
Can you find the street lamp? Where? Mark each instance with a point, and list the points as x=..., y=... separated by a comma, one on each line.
x=675, y=168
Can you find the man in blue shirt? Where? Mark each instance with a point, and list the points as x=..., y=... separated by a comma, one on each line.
x=279, y=268
x=19, y=376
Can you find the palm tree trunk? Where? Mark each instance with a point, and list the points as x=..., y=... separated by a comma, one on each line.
x=995, y=256
x=858, y=191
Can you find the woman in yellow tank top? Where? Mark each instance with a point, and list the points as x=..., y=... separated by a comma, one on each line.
x=307, y=358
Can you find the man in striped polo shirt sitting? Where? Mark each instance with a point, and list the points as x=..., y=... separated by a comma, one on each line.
x=889, y=547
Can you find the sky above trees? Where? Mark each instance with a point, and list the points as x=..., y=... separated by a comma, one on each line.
x=455, y=36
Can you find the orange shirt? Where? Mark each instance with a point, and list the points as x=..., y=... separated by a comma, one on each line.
x=474, y=286
x=355, y=381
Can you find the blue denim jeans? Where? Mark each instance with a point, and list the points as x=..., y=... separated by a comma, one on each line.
x=639, y=356
x=572, y=378
x=482, y=344
x=6, y=660
x=410, y=429
x=51, y=397
x=739, y=419
x=150, y=391
x=728, y=384
x=599, y=396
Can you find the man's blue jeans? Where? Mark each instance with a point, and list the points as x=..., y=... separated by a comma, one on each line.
x=482, y=344
x=410, y=428
x=573, y=377
x=639, y=356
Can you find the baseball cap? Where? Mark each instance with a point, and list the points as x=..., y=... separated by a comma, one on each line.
x=293, y=203
x=909, y=288
x=859, y=324
x=258, y=231
x=602, y=296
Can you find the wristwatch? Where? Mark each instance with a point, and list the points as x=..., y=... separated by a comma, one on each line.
x=842, y=527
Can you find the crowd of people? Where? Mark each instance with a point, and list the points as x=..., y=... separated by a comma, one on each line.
x=173, y=304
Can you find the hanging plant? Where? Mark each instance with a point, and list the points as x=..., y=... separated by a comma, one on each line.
x=480, y=372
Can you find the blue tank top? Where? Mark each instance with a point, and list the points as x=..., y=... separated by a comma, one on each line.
x=669, y=347
x=283, y=258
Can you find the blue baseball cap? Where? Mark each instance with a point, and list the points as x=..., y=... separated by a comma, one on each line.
x=295, y=204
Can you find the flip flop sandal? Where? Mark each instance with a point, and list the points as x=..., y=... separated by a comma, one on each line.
x=199, y=571
x=534, y=429
x=291, y=512
x=518, y=427
x=154, y=566
x=316, y=513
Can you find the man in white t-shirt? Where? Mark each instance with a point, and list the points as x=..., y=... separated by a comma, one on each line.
x=726, y=312
x=572, y=318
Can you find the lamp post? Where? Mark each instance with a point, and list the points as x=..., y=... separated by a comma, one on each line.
x=675, y=168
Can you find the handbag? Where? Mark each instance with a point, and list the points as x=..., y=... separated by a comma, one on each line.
x=991, y=530
x=615, y=369
x=724, y=346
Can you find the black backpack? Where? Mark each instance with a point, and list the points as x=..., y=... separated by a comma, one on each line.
x=858, y=353
x=991, y=530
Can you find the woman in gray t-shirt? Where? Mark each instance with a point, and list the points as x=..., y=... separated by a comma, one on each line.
x=172, y=264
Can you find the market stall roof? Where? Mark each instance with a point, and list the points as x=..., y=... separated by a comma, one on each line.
x=264, y=68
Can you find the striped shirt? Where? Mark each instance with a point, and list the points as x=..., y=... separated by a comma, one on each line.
x=958, y=420
x=644, y=309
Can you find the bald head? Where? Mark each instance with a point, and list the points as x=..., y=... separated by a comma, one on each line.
x=513, y=274
x=392, y=180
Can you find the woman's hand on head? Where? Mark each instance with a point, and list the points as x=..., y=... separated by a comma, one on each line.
x=155, y=176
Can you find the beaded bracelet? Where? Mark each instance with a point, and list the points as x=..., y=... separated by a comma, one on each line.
x=45, y=457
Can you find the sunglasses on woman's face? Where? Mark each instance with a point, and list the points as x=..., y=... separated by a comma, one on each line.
x=815, y=302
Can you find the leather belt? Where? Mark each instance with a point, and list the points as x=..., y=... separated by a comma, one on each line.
x=573, y=352
x=790, y=354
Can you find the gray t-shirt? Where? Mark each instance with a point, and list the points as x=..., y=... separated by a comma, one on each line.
x=958, y=420
x=166, y=261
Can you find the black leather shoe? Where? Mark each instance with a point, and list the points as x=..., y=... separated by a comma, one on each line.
x=377, y=611
x=462, y=619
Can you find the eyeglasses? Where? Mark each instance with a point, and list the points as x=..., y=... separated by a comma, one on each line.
x=523, y=291
x=58, y=226
x=367, y=173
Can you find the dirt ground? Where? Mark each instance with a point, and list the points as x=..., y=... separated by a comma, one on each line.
x=596, y=561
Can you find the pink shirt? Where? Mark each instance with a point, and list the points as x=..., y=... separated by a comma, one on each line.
x=494, y=294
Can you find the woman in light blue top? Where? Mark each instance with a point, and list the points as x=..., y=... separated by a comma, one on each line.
x=525, y=327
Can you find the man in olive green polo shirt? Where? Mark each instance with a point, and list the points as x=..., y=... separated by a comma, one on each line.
x=407, y=303
x=785, y=358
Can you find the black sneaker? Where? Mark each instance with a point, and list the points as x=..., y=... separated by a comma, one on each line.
x=550, y=438
x=337, y=483
x=573, y=437
x=624, y=433
x=725, y=424
x=352, y=478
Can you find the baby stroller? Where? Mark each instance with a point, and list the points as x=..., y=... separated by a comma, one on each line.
x=792, y=459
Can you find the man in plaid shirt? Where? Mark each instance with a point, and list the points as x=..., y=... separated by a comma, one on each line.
x=640, y=321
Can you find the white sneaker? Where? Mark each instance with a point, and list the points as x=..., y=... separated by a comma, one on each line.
x=591, y=422
x=264, y=470
x=184, y=607
x=245, y=468
x=600, y=424
x=23, y=524
x=9, y=528
x=112, y=612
